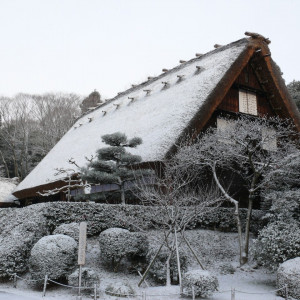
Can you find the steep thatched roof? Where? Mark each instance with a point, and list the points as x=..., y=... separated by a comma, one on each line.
x=160, y=110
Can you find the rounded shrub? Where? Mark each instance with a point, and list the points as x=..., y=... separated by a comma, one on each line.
x=158, y=270
x=203, y=282
x=288, y=274
x=71, y=229
x=117, y=243
x=88, y=278
x=53, y=255
x=276, y=243
x=120, y=289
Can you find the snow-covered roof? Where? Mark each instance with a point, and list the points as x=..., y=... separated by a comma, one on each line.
x=7, y=186
x=158, y=117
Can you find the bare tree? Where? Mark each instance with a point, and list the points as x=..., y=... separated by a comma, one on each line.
x=250, y=148
x=180, y=199
x=30, y=126
x=71, y=182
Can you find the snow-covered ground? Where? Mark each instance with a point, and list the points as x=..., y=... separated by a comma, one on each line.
x=214, y=248
x=251, y=283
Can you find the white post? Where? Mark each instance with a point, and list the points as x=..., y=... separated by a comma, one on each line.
x=232, y=294
x=286, y=293
x=81, y=253
x=45, y=285
x=193, y=292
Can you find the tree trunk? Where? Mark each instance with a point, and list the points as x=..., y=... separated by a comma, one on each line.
x=178, y=260
x=5, y=164
x=122, y=193
x=247, y=230
x=236, y=212
x=168, y=274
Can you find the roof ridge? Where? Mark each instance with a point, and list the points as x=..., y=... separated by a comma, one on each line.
x=164, y=74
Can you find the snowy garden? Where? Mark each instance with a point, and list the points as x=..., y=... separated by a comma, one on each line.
x=44, y=241
x=181, y=240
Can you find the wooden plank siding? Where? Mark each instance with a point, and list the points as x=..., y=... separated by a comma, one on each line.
x=247, y=80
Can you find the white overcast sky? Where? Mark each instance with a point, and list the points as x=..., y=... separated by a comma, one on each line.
x=81, y=45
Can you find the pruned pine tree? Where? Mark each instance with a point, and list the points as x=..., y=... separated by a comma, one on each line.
x=113, y=163
x=251, y=149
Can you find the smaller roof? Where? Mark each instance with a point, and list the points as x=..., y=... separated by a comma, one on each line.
x=7, y=186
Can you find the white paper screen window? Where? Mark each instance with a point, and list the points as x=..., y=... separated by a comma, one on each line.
x=247, y=103
x=225, y=127
x=269, y=140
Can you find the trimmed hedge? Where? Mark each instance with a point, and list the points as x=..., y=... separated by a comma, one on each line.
x=118, y=243
x=136, y=217
x=53, y=255
x=21, y=228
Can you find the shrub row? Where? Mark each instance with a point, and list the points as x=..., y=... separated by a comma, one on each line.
x=21, y=228
x=137, y=217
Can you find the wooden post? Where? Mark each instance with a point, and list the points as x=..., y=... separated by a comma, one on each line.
x=79, y=282
x=15, y=280
x=95, y=291
x=81, y=253
x=193, y=292
x=45, y=285
x=178, y=260
x=192, y=250
x=144, y=279
x=232, y=294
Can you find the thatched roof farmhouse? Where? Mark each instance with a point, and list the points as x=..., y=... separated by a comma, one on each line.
x=240, y=77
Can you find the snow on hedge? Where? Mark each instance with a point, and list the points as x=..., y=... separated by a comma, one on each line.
x=117, y=243
x=120, y=289
x=20, y=229
x=204, y=283
x=288, y=274
x=7, y=186
x=158, y=270
x=53, y=255
x=71, y=229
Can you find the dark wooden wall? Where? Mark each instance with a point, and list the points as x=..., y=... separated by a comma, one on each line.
x=247, y=80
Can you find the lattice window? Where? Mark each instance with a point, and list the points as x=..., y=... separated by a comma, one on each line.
x=247, y=103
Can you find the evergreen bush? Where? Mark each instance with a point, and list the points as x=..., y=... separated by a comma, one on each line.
x=71, y=229
x=117, y=243
x=288, y=275
x=120, y=289
x=53, y=255
x=203, y=282
x=276, y=243
x=158, y=270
